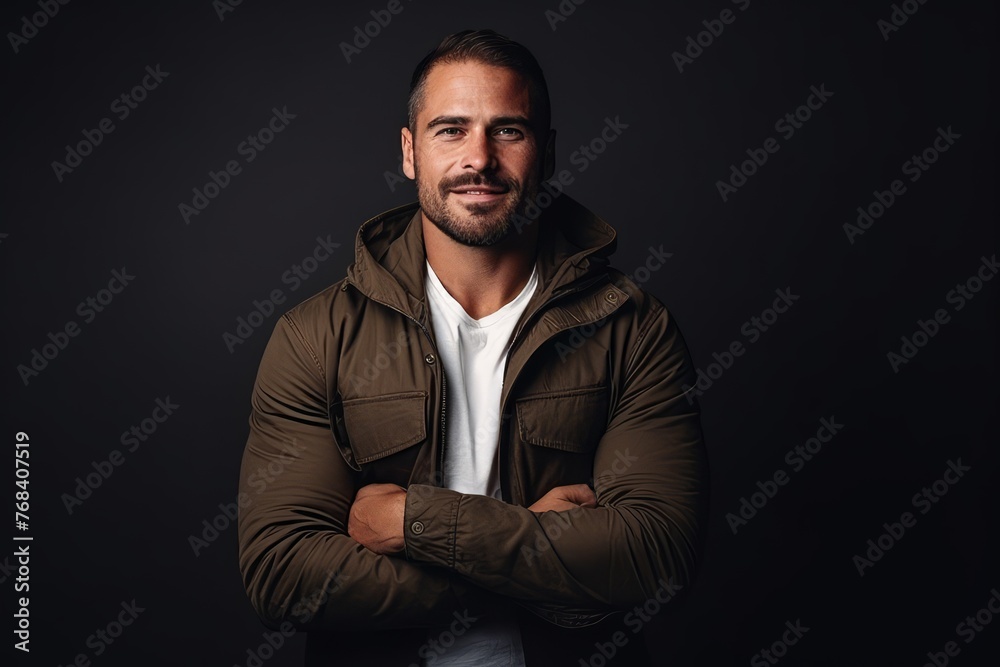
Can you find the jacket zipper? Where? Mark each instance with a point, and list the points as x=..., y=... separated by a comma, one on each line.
x=437, y=357
x=444, y=398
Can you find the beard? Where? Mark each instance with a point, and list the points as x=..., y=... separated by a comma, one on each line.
x=478, y=225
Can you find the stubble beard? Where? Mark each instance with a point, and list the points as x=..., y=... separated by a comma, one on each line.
x=478, y=225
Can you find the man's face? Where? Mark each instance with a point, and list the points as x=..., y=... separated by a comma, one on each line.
x=474, y=153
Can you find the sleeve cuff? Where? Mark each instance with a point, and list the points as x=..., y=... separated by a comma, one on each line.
x=430, y=520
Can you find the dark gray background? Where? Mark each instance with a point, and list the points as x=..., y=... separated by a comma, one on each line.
x=325, y=174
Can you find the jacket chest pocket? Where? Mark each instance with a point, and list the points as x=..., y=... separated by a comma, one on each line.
x=559, y=432
x=373, y=429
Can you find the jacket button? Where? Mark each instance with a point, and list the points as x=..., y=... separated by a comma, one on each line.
x=430, y=358
x=417, y=527
x=611, y=296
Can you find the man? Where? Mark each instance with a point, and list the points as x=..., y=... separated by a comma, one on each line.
x=431, y=425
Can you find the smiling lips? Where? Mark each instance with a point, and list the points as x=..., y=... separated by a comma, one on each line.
x=480, y=194
x=479, y=191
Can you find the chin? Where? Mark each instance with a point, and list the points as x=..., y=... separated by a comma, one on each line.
x=475, y=231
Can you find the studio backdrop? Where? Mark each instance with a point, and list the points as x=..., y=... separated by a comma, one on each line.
x=808, y=187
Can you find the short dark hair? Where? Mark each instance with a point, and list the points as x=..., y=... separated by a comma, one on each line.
x=489, y=48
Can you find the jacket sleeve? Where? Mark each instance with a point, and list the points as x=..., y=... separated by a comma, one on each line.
x=645, y=532
x=297, y=561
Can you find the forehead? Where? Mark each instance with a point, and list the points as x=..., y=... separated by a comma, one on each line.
x=469, y=88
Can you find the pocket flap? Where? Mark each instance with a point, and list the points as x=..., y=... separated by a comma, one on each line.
x=378, y=426
x=572, y=421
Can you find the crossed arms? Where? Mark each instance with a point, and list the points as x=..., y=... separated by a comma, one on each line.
x=378, y=512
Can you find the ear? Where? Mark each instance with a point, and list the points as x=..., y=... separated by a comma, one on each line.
x=407, y=144
x=549, y=156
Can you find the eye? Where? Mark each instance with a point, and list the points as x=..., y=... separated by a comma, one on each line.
x=449, y=132
x=510, y=133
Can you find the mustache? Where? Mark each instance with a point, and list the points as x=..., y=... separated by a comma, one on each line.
x=486, y=179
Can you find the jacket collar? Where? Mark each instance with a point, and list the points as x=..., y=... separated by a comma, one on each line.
x=574, y=245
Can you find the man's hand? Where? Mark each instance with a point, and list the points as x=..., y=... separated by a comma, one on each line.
x=376, y=519
x=563, y=498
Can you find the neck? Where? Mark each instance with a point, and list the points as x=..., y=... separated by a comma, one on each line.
x=481, y=279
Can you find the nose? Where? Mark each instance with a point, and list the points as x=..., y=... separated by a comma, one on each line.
x=479, y=152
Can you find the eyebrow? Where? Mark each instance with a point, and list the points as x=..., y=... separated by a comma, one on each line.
x=464, y=120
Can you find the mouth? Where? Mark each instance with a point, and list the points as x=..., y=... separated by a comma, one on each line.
x=479, y=192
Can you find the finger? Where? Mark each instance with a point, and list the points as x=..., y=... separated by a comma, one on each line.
x=377, y=490
x=579, y=494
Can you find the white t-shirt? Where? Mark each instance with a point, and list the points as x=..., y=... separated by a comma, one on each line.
x=474, y=353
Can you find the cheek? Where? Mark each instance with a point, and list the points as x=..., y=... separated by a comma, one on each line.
x=431, y=163
x=520, y=159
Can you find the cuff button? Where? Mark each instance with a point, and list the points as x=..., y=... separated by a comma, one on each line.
x=417, y=527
